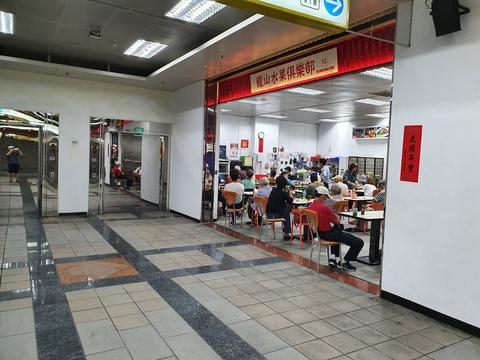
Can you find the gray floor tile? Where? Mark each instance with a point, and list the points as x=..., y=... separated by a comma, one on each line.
x=258, y=337
x=465, y=350
x=144, y=343
x=191, y=347
x=286, y=354
x=320, y=328
x=391, y=328
x=117, y=354
x=343, y=322
x=322, y=311
x=318, y=350
x=441, y=334
x=413, y=321
x=275, y=322
x=168, y=323
x=99, y=336
x=368, y=354
x=281, y=305
x=18, y=347
x=294, y=335
x=344, y=342
x=257, y=310
x=225, y=311
x=397, y=351
x=201, y=292
x=420, y=343
x=299, y=316
x=365, y=316
x=368, y=335
x=14, y=322
x=84, y=316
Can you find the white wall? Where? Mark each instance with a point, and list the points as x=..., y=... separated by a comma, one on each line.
x=431, y=241
x=75, y=101
x=235, y=128
x=335, y=140
x=186, y=170
x=298, y=137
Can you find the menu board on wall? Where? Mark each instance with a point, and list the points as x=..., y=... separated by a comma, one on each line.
x=373, y=132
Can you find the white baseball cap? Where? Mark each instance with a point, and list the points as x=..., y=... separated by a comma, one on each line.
x=322, y=190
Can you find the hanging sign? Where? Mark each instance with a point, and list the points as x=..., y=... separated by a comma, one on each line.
x=298, y=71
x=412, y=144
x=328, y=15
x=261, y=137
x=139, y=130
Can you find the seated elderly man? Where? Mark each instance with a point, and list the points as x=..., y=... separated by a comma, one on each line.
x=380, y=198
x=264, y=190
x=335, y=192
x=329, y=228
x=338, y=180
x=314, y=183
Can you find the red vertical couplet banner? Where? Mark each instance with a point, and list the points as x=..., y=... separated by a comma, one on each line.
x=412, y=145
x=260, y=145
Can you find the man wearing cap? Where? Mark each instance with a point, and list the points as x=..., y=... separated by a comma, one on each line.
x=329, y=232
x=338, y=180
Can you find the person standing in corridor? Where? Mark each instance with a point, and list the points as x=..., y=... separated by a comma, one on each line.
x=13, y=162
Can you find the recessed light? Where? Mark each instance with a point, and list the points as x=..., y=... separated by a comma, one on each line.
x=252, y=102
x=145, y=49
x=382, y=73
x=274, y=116
x=315, y=110
x=6, y=23
x=305, y=91
x=381, y=116
x=196, y=11
x=374, y=102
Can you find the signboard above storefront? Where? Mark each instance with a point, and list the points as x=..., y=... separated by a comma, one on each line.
x=296, y=72
x=328, y=15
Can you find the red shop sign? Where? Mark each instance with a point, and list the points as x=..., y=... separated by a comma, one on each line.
x=412, y=145
x=244, y=144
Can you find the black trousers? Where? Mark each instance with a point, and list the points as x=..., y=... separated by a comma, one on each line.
x=355, y=243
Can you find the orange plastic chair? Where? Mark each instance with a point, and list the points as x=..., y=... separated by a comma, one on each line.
x=265, y=221
x=312, y=218
x=377, y=206
x=230, y=210
x=298, y=220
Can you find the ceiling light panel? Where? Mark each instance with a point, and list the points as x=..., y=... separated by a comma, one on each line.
x=320, y=111
x=382, y=73
x=6, y=23
x=225, y=110
x=196, y=11
x=274, y=116
x=305, y=91
x=144, y=49
x=374, y=102
x=252, y=102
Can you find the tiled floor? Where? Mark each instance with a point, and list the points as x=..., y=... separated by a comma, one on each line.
x=365, y=272
x=169, y=288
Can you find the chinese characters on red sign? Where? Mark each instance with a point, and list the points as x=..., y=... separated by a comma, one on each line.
x=412, y=144
x=308, y=68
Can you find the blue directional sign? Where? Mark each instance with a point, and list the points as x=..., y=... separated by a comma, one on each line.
x=334, y=7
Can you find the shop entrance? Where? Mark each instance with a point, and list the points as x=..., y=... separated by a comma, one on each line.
x=128, y=166
x=29, y=146
x=342, y=120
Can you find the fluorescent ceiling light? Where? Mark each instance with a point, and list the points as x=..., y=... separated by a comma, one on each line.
x=305, y=91
x=382, y=73
x=196, y=11
x=145, y=49
x=327, y=120
x=374, y=102
x=273, y=116
x=380, y=116
x=252, y=102
x=315, y=110
x=226, y=110
x=6, y=23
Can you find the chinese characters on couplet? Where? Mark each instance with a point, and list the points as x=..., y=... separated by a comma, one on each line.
x=412, y=143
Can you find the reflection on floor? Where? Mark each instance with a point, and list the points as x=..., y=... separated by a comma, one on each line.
x=174, y=289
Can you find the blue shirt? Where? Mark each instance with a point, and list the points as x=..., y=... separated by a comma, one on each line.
x=325, y=174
